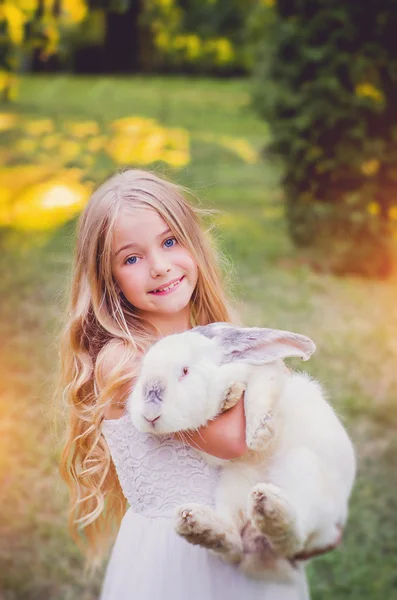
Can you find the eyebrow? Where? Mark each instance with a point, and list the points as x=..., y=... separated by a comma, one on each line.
x=134, y=245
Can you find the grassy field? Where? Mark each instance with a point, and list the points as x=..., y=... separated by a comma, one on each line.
x=353, y=322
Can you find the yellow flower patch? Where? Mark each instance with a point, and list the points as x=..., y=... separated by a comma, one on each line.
x=15, y=18
x=142, y=141
x=367, y=90
x=82, y=129
x=43, y=205
x=8, y=121
x=50, y=142
x=373, y=208
x=48, y=205
x=95, y=144
x=370, y=167
x=38, y=127
x=239, y=146
x=69, y=149
x=221, y=48
x=26, y=146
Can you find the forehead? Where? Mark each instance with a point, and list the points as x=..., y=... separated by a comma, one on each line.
x=178, y=350
x=169, y=350
x=139, y=225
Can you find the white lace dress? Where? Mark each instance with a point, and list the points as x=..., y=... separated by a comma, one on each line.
x=149, y=560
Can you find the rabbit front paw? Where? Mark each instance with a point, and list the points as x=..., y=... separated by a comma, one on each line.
x=232, y=395
x=259, y=435
x=202, y=526
x=275, y=518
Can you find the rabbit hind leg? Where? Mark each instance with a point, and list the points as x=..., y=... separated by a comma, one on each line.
x=203, y=526
x=275, y=518
x=299, y=506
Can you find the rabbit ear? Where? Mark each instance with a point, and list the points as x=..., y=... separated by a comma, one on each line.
x=256, y=345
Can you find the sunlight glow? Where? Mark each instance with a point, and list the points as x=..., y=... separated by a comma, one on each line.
x=59, y=195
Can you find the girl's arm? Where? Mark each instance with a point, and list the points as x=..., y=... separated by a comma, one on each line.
x=223, y=437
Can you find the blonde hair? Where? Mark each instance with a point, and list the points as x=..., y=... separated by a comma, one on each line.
x=98, y=319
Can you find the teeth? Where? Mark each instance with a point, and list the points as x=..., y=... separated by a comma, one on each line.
x=165, y=289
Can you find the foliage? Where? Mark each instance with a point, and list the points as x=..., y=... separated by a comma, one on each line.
x=27, y=26
x=199, y=35
x=326, y=81
x=172, y=35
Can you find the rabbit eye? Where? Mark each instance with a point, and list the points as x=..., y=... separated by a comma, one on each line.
x=185, y=371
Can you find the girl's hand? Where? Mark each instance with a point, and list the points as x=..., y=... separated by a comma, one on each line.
x=223, y=437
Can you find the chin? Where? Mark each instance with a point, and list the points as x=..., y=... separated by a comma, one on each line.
x=178, y=304
x=174, y=424
x=160, y=427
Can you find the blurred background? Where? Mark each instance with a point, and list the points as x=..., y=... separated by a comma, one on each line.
x=282, y=115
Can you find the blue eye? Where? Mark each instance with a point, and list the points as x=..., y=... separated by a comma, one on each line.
x=132, y=258
x=167, y=245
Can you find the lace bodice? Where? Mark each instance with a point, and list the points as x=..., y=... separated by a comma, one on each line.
x=158, y=473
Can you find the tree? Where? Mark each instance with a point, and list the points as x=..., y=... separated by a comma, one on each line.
x=207, y=36
x=326, y=81
x=30, y=29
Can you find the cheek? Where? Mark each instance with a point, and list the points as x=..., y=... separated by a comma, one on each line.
x=194, y=273
x=188, y=263
x=133, y=281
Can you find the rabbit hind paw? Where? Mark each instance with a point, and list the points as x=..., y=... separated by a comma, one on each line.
x=201, y=526
x=274, y=517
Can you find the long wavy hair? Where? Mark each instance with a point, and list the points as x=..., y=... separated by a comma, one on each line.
x=98, y=319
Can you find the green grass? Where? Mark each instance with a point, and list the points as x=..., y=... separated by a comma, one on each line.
x=353, y=321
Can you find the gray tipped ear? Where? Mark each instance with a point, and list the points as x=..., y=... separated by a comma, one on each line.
x=256, y=345
x=213, y=329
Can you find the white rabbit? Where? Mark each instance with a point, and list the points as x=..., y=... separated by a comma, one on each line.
x=288, y=495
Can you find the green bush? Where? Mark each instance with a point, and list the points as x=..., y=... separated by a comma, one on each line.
x=201, y=36
x=326, y=81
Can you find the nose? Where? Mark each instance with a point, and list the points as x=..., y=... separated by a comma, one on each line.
x=154, y=396
x=160, y=265
x=153, y=392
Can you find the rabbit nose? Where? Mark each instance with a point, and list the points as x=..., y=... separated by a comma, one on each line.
x=154, y=392
x=154, y=396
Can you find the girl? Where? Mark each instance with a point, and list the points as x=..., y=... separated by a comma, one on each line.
x=143, y=269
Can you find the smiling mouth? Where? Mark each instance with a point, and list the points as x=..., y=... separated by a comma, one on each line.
x=167, y=288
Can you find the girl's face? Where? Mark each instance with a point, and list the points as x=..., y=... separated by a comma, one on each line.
x=155, y=273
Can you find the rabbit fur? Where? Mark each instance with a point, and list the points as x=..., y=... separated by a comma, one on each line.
x=288, y=494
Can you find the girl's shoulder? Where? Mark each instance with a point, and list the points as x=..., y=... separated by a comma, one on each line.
x=113, y=364
x=114, y=412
